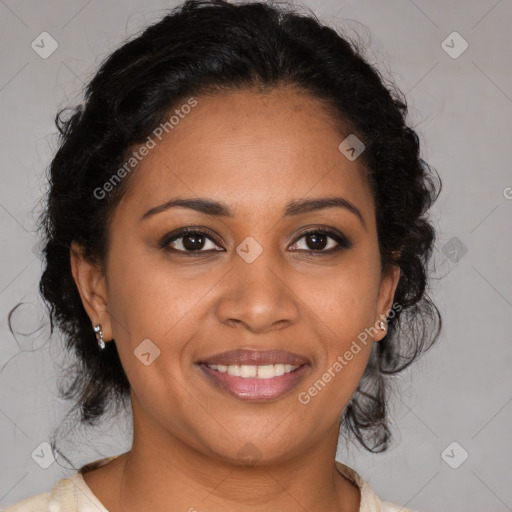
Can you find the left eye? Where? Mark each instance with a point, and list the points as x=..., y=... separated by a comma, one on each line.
x=318, y=240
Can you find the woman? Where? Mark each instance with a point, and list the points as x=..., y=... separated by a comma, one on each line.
x=236, y=241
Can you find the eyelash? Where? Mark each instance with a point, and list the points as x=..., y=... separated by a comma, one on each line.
x=343, y=242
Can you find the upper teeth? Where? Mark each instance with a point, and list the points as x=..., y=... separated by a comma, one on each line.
x=267, y=371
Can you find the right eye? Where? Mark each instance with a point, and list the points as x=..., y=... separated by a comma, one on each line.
x=190, y=241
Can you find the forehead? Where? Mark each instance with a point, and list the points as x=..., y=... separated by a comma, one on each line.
x=249, y=150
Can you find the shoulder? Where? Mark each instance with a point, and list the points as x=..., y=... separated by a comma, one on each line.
x=68, y=495
x=37, y=503
x=370, y=502
x=386, y=506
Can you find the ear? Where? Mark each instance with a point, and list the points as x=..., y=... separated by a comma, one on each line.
x=388, y=285
x=92, y=287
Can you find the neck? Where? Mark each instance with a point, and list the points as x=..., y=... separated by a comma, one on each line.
x=170, y=475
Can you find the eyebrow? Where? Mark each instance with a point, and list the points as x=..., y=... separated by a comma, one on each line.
x=216, y=209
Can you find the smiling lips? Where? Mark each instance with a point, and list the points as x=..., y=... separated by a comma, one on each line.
x=256, y=375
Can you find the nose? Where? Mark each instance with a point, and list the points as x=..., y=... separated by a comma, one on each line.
x=258, y=296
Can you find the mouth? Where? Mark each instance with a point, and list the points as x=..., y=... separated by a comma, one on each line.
x=255, y=375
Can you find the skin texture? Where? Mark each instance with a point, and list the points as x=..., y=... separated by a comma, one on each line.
x=255, y=153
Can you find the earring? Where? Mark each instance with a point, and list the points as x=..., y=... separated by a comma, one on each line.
x=382, y=325
x=99, y=337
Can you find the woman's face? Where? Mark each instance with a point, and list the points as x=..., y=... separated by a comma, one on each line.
x=254, y=281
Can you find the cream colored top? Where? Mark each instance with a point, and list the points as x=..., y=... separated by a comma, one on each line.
x=74, y=495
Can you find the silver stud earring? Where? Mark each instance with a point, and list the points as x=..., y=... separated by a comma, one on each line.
x=99, y=337
x=382, y=325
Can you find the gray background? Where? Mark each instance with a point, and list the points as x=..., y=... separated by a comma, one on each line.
x=462, y=107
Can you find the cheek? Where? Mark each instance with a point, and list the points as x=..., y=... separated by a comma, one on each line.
x=344, y=299
x=343, y=315
x=148, y=308
x=147, y=294
x=343, y=307
x=155, y=309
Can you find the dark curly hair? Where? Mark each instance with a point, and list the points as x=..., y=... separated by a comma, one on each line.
x=215, y=47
